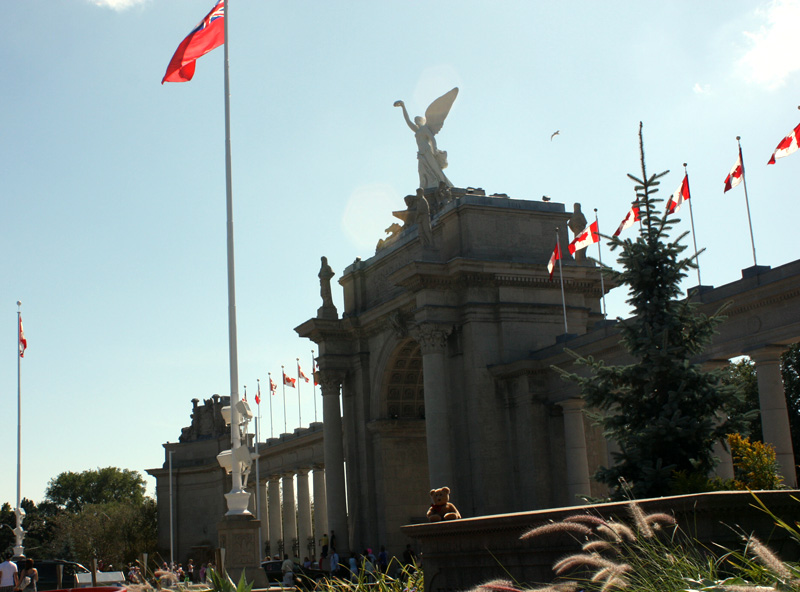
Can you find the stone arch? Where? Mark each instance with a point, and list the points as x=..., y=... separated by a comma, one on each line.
x=402, y=391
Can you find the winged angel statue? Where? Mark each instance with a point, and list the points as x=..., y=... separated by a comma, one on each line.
x=431, y=160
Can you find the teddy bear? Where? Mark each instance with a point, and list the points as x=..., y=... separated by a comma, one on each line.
x=441, y=508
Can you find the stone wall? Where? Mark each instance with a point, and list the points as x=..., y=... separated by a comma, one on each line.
x=461, y=554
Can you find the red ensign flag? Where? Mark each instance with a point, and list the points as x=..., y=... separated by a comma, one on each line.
x=207, y=35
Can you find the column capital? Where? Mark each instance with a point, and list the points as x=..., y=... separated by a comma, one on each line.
x=572, y=405
x=330, y=381
x=432, y=337
x=767, y=353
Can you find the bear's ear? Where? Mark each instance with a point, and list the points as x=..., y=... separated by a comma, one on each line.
x=445, y=490
x=432, y=491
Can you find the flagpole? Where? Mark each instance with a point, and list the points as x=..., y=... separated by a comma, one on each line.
x=299, y=412
x=271, y=421
x=694, y=236
x=314, y=385
x=600, y=258
x=283, y=386
x=238, y=498
x=561, y=276
x=19, y=534
x=258, y=476
x=747, y=201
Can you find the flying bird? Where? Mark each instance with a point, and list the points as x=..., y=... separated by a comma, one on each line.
x=555, y=133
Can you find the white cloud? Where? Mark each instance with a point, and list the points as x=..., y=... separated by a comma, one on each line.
x=772, y=55
x=117, y=4
x=701, y=89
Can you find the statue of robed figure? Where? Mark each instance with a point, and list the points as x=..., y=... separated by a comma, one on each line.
x=431, y=160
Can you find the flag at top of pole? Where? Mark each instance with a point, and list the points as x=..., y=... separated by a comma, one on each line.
x=736, y=174
x=207, y=35
x=23, y=343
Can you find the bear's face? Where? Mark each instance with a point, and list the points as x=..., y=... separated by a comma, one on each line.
x=440, y=496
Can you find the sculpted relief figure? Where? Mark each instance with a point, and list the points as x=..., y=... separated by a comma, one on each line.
x=431, y=160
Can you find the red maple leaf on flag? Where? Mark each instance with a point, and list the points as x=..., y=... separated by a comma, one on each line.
x=736, y=174
x=589, y=236
x=786, y=146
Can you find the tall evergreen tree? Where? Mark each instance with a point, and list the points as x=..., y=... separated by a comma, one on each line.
x=664, y=412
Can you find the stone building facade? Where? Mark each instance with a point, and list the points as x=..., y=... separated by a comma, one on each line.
x=439, y=371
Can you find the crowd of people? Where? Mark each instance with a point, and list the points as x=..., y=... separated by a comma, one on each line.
x=362, y=566
x=172, y=573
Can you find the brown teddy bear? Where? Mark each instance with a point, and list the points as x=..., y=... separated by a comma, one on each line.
x=441, y=508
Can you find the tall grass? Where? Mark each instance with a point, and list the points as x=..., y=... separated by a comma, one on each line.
x=651, y=553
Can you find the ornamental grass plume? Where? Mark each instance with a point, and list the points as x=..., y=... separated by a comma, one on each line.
x=562, y=527
x=508, y=586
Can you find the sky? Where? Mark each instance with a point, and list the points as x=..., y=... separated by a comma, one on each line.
x=112, y=186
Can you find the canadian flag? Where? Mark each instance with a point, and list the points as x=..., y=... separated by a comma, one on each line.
x=788, y=145
x=631, y=217
x=589, y=236
x=291, y=382
x=273, y=388
x=735, y=176
x=258, y=395
x=300, y=373
x=681, y=195
x=23, y=343
x=315, y=374
x=551, y=265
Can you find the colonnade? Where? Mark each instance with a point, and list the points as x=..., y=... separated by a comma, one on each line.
x=286, y=519
x=774, y=420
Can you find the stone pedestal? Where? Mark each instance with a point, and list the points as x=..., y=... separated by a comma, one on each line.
x=238, y=535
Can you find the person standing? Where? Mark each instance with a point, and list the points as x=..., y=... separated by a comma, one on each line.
x=8, y=575
x=324, y=542
x=27, y=578
x=334, y=559
x=287, y=568
x=383, y=560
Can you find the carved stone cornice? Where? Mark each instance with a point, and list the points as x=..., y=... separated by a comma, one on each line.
x=432, y=337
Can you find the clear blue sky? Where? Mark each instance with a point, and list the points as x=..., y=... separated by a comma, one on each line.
x=113, y=186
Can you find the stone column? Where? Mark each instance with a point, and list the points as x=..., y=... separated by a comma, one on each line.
x=320, y=507
x=289, y=515
x=264, y=512
x=724, y=470
x=275, y=530
x=303, y=512
x=578, y=480
x=432, y=339
x=334, y=459
x=774, y=416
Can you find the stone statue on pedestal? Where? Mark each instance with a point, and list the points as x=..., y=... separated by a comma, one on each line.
x=431, y=160
x=328, y=309
x=577, y=224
